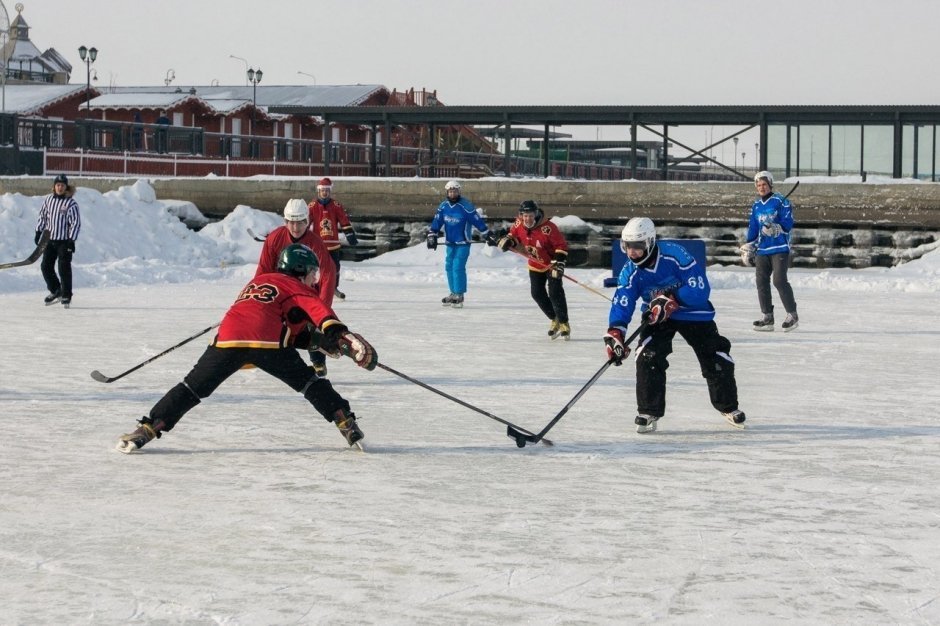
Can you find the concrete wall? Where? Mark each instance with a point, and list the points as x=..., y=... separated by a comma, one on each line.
x=914, y=206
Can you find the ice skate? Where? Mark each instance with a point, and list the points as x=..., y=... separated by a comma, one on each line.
x=735, y=418
x=553, y=329
x=449, y=299
x=645, y=423
x=136, y=440
x=53, y=297
x=791, y=323
x=66, y=302
x=346, y=423
x=458, y=301
x=765, y=324
x=564, y=331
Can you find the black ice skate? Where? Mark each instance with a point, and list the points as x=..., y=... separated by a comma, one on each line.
x=645, y=423
x=458, y=301
x=346, y=423
x=66, y=302
x=136, y=440
x=791, y=322
x=735, y=418
x=53, y=297
x=766, y=323
x=449, y=299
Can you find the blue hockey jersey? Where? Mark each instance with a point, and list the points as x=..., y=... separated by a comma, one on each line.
x=775, y=209
x=457, y=218
x=673, y=269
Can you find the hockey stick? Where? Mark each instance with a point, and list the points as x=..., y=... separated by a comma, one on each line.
x=523, y=432
x=571, y=278
x=523, y=437
x=256, y=237
x=792, y=190
x=40, y=248
x=101, y=378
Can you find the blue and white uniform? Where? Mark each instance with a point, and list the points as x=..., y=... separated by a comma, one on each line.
x=770, y=210
x=675, y=270
x=457, y=217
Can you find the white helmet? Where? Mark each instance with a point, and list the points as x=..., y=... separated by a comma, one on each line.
x=764, y=174
x=639, y=231
x=453, y=184
x=296, y=210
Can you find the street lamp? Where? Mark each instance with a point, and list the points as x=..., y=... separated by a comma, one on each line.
x=310, y=75
x=170, y=75
x=232, y=56
x=88, y=55
x=735, y=140
x=254, y=77
x=756, y=156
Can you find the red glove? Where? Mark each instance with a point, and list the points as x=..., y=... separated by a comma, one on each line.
x=615, y=348
x=661, y=307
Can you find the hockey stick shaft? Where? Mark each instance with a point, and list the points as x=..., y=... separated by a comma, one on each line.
x=571, y=278
x=792, y=190
x=460, y=402
x=101, y=378
x=521, y=438
x=35, y=254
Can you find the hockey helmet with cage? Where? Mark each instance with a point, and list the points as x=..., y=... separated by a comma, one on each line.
x=766, y=175
x=296, y=210
x=297, y=260
x=639, y=233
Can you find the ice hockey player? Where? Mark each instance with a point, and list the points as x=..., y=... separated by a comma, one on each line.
x=674, y=293
x=274, y=314
x=768, y=249
x=540, y=240
x=328, y=218
x=457, y=216
x=296, y=230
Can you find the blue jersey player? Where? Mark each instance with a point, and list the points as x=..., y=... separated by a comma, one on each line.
x=672, y=290
x=768, y=245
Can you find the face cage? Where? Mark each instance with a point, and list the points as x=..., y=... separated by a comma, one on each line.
x=636, y=245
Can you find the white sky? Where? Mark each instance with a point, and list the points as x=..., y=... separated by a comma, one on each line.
x=490, y=52
x=251, y=511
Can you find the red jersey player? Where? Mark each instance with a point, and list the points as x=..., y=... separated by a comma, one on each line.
x=271, y=317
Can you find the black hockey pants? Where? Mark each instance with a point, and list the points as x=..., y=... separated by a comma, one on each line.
x=553, y=304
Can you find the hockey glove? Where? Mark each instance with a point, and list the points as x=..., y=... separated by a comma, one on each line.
x=747, y=254
x=661, y=307
x=37, y=237
x=432, y=241
x=69, y=246
x=359, y=350
x=490, y=239
x=771, y=230
x=615, y=348
x=351, y=239
x=557, y=269
x=506, y=243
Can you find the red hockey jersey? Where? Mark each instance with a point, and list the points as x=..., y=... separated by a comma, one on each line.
x=270, y=311
x=540, y=243
x=280, y=238
x=327, y=220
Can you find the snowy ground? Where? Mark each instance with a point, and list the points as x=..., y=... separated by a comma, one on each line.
x=825, y=510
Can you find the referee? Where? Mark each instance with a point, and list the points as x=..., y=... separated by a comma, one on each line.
x=60, y=216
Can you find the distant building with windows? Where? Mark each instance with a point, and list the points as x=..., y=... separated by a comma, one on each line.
x=24, y=63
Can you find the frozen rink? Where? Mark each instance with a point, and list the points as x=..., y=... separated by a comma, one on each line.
x=252, y=511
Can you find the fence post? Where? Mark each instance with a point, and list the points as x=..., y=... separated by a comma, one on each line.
x=174, y=165
x=81, y=161
x=125, y=162
x=226, y=165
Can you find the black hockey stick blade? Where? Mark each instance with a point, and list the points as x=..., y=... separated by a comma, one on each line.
x=101, y=378
x=35, y=254
x=256, y=237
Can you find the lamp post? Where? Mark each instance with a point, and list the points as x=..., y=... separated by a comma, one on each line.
x=88, y=55
x=735, y=140
x=170, y=75
x=756, y=156
x=232, y=56
x=254, y=77
x=310, y=75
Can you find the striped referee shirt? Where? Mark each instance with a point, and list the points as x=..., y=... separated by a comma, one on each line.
x=59, y=215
